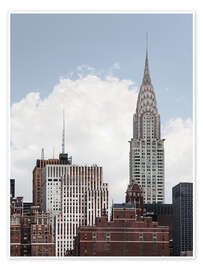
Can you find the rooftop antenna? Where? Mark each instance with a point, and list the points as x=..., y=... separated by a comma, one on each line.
x=63, y=135
x=147, y=41
x=42, y=154
x=53, y=152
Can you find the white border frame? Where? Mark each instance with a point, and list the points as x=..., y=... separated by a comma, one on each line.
x=192, y=12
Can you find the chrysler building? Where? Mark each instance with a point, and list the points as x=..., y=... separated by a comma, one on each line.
x=146, y=146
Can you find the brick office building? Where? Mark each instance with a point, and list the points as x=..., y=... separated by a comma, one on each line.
x=129, y=233
x=15, y=235
x=30, y=233
x=19, y=232
x=16, y=212
x=42, y=241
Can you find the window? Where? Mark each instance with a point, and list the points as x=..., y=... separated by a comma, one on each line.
x=108, y=236
x=140, y=236
x=94, y=236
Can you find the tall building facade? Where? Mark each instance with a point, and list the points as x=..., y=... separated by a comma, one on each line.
x=51, y=187
x=182, y=219
x=146, y=159
x=83, y=198
x=37, y=175
x=42, y=163
x=37, y=179
x=12, y=188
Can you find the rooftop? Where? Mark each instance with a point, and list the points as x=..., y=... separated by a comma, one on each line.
x=124, y=205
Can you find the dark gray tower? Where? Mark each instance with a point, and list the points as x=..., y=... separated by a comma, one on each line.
x=183, y=219
x=146, y=146
x=12, y=188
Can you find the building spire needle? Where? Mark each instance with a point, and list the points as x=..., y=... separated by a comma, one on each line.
x=63, y=135
x=147, y=42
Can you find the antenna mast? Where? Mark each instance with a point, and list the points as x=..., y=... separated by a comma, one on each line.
x=42, y=154
x=63, y=135
x=147, y=41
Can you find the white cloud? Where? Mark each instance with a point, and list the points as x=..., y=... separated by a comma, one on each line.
x=116, y=65
x=99, y=116
x=179, y=153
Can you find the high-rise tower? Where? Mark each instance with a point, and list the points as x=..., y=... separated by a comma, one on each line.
x=182, y=195
x=146, y=146
x=54, y=164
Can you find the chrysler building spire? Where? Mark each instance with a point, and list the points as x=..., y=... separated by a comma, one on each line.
x=146, y=78
x=146, y=103
x=146, y=146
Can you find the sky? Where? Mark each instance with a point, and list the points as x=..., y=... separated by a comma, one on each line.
x=92, y=66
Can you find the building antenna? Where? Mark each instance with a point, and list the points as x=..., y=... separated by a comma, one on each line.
x=53, y=152
x=63, y=135
x=147, y=41
x=42, y=154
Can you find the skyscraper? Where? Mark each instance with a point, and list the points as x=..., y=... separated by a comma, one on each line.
x=73, y=195
x=183, y=219
x=83, y=198
x=12, y=187
x=51, y=189
x=146, y=146
x=37, y=175
x=42, y=163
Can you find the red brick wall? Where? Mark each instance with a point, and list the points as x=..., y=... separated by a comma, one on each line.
x=127, y=235
x=42, y=242
x=15, y=241
x=37, y=186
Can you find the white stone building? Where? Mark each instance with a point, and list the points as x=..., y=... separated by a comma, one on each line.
x=51, y=189
x=83, y=198
x=146, y=159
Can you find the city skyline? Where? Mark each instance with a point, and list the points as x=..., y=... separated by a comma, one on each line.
x=107, y=120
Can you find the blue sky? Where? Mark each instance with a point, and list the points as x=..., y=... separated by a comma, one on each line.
x=48, y=47
x=45, y=47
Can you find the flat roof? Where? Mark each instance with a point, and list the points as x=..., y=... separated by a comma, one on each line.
x=124, y=205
